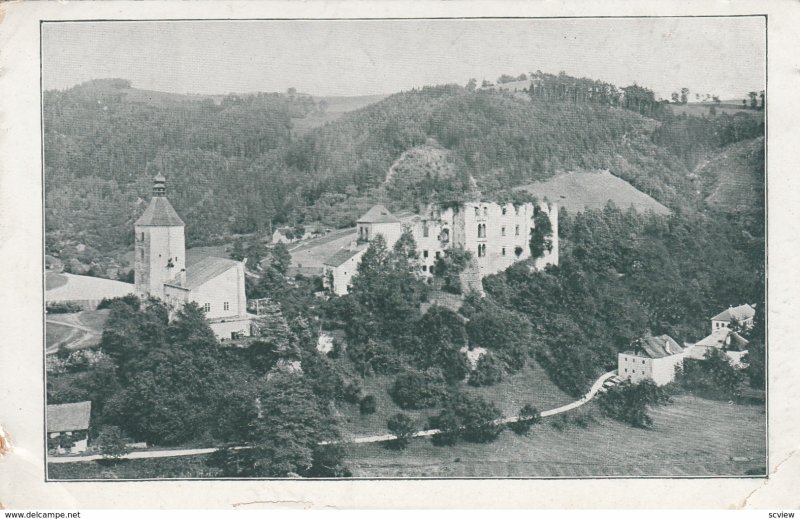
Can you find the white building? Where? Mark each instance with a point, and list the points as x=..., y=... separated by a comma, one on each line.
x=68, y=424
x=215, y=284
x=653, y=358
x=743, y=314
x=498, y=236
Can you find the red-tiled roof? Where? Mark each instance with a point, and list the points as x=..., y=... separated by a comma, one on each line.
x=204, y=270
x=159, y=213
x=68, y=417
x=740, y=313
x=378, y=214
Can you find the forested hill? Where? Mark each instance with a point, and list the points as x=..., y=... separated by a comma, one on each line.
x=234, y=164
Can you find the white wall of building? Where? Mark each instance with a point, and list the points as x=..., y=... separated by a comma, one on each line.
x=342, y=275
x=154, y=248
x=636, y=368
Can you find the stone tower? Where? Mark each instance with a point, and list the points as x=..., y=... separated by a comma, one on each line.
x=160, y=251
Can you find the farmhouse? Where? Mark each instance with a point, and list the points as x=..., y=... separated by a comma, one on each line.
x=215, y=284
x=68, y=427
x=652, y=358
x=742, y=314
x=497, y=235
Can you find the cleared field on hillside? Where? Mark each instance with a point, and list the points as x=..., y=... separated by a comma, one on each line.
x=56, y=334
x=702, y=109
x=578, y=191
x=337, y=106
x=691, y=437
x=735, y=176
x=530, y=385
x=54, y=280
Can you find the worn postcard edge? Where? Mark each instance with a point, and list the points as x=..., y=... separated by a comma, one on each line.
x=22, y=478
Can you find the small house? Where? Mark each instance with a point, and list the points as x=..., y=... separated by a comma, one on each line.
x=68, y=427
x=651, y=358
x=742, y=314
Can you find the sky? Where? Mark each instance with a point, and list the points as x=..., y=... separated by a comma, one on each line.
x=722, y=56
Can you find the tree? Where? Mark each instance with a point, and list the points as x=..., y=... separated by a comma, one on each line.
x=274, y=330
x=112, y=442
x=449, y=267
x=441, y=335
x=449, y=426
x=479, y=419
x=487, y=372
x=713, y=375
x=763, y=96
x=402, y=426
x=684, y=95
x=675, y=98
x=542, y=233
x=471, y=84
x=367, y=405
x=629, y=402
x=506, y=332
x=414, y=389
x=753, y=99
x=280, y=258
x=528, y=416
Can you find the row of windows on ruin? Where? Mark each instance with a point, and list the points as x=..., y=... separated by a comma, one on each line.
x=482, y=230
x=504, y=210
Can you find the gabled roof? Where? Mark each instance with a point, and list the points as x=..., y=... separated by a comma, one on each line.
x=159, y=213
x=378, y=214
x=68, y=417
x=657, y=347
x=724, y=338
x=740, y=313
x=204, y=270
x=341, y=256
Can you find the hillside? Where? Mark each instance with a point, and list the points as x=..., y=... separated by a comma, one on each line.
x=243, y=163
x=578, y=191
x=734, y=177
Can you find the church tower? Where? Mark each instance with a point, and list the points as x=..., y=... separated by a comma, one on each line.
x=160, y=251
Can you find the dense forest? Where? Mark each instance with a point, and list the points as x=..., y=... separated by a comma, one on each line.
x=235, y=166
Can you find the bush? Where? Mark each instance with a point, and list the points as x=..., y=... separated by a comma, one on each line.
x=112, y=443
x=712, y=376
x=67, y=307
x=367, y=405
x=419, y=389
x=528, y=416
x=469, y=418
x=131, y=300
x=488, y=372
x=402, y=426
x=629, y=402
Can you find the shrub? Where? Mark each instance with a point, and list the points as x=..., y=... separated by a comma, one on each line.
x=402, y=426
x=67, y=307
x=712, y=376
x=367, y=405
x=470, y=418
x=418, y=389
x=112, y=442
x=528, y=416
x=488, y=372
x=131, y=300
x=628, y=402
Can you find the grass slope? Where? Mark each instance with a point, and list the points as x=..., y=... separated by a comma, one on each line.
x=577, y=191
x=734, y=177
x=691, y=437
x=530, y=385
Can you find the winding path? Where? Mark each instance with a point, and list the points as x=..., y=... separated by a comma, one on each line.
x=361, y=439
x=82, y=336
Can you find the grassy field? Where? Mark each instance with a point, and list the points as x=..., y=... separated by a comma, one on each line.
x=56, y=334
x=581, y=190
x=530, y=385
x=690, y=437
x=735, y=175
x=702, y=109
x=54, y=280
